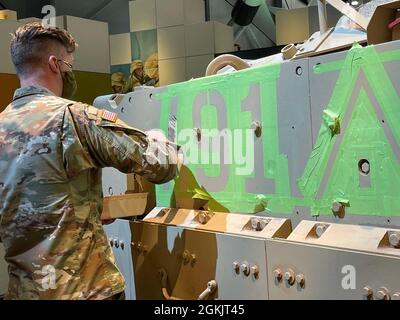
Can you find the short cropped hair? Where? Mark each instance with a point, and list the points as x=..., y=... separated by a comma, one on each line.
x=32, y=43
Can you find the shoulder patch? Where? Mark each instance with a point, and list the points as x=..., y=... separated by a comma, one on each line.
x=92, y=113
x=108, y=115
x=92, y=110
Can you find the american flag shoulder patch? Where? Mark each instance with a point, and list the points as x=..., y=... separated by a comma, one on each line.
x=109, y=116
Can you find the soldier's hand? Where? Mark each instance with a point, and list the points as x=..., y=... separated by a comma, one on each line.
x=157, y=135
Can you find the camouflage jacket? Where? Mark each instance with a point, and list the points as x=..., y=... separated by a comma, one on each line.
x=51, y=154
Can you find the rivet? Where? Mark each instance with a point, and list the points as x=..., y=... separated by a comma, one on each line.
x=394, y=239
x=300, y=279
x=278, y=274
x=236, y=266
x=245, y=268
x=256, y=125
x=368, y=292
x=289, y=277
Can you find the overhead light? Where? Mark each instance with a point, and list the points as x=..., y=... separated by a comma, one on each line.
x=355, y=3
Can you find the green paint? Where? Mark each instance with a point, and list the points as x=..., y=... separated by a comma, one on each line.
x=362, y=138
x=332, y=121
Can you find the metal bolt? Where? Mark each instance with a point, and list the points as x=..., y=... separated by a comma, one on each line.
x=289, y=276
x=111, y=242
x=163, y=212
x=116, y=243
x=336, y=206
x=278, y=274
x=383, y=294
x=396, y=296
x=365, y=167
x=368, y=292
x=338, y=209
x=394, y=239
x=320, y=229
x=236, y=266
x=300, y=279
x=256, y=125
x=245, y=268
x=193, y=258
x=122, y=245
x=198, y=134
x=212, y=285
x=255, y=270
x=139, y=247
x=203, y=218
x=186, y=257
x=256, y=224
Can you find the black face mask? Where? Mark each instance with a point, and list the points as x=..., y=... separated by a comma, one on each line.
x=69, y=85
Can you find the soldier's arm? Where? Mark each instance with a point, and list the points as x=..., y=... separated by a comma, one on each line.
x=115, y=144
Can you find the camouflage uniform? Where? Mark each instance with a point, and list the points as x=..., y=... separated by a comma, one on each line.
x=117, y=82
x=51, y=154
x=151, y=70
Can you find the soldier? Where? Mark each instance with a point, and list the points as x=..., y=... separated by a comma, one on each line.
x=136, y=78
x=151, y=70
x=51, y=153
x=117, y=82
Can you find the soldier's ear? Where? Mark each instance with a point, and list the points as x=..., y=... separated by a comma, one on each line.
x=53, y=64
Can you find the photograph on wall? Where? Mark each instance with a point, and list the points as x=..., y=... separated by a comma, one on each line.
x=143, y=70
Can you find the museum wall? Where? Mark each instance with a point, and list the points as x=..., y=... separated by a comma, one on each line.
x=166, y=42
